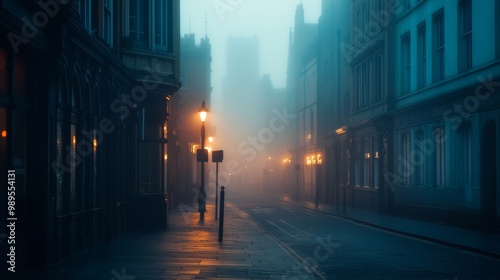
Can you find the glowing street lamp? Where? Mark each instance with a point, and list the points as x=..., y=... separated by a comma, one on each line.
x=203, y=111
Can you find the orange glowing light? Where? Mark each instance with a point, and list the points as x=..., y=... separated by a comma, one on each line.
x=4, y=133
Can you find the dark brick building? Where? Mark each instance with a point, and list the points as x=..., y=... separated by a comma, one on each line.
x=83, y=119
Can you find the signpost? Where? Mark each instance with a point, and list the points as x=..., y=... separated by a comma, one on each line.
x=217, y=156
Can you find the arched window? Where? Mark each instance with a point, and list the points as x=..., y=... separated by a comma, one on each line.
x=76, y=89
x=87, y=94
x=96, y=98
x=62, y=87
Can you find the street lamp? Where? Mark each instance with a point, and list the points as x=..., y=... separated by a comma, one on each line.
x=203, y=111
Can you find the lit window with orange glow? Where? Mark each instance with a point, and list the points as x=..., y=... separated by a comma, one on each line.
x=4, y=133
x=194, y=148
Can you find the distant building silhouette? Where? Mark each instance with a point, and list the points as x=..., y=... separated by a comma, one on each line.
x=241, y=113
x=302, y=102
x=196, y=70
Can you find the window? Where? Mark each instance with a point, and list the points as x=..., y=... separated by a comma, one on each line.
x=183, y=75
x=364, y=81
x=359, y=88
x=405, y=63
x=378, y=77
x=59, y=174
x=20, y=84
x=359, y=18
x=73, y=166
x=161, y=25
x=95, y=191
x=421, y=55
x=3, y=71
x=467, y=161
x=139, y=23
x=378, y=6
x=107, y=32
x=404, y=160
x=376, y=162
x=439, y=139
x=438, y=44
x=465, y=43
x=366, y=162
x=357, y=157
x=418, y=157
x=406, y=5
x=466, y=132
x=84, y=9
x=362, y=88
x=364, y=16
x=312, y=131
x=76, y=91
x=150, y=169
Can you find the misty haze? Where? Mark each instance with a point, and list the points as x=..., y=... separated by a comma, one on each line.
x=250, y=139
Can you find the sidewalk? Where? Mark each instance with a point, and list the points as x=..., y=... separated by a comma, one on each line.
x=187, y=250
x=483, y=243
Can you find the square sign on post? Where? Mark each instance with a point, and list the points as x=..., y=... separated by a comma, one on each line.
x=217, y=156
x=202, y=155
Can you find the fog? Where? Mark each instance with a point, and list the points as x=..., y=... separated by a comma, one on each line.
x=250, y=42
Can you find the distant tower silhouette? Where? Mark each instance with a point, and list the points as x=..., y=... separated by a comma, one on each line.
x=241, y=113
x=240, y=104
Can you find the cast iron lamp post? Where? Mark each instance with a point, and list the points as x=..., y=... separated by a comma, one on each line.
x=203, y=111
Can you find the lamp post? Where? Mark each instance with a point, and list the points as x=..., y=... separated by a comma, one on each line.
x=203, y=111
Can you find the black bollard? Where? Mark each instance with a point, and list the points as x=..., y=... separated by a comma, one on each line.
x=221, y=213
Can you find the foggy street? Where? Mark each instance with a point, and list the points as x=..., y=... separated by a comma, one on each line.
x=330, y=247
x=350, y=139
